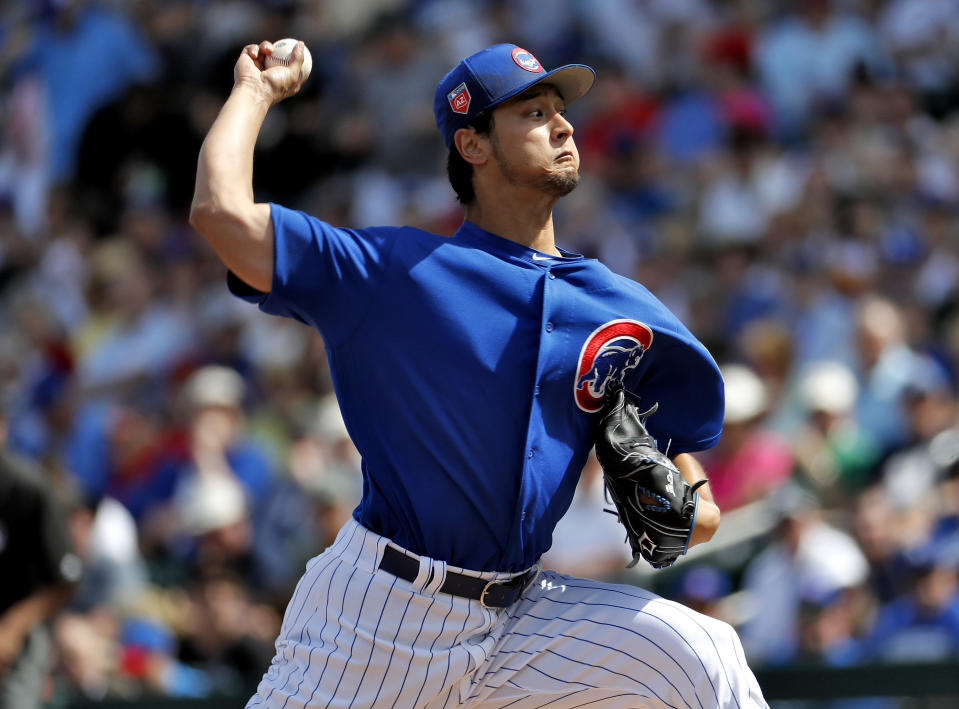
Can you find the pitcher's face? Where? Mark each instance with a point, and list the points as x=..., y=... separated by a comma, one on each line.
x=533, y=143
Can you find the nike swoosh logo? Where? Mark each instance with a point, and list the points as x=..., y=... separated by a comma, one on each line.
x=537, y=257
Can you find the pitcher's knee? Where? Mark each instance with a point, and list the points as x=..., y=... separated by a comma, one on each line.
x=725, y=673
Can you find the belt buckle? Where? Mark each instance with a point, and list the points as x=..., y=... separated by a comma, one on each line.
x=493, y=582
x=524, y=580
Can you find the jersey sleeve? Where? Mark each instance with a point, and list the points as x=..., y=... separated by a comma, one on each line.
x=679, y=375
x=323, y=275
x=685, y=381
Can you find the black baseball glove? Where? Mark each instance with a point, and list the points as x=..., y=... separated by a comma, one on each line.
x=653, y=500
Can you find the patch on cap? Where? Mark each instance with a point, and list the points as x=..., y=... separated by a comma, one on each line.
x=525, y=60
x=459, y=98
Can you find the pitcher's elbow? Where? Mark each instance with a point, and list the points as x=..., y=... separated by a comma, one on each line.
x=202, y=215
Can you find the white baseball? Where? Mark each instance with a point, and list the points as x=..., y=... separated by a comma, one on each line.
x=283, y=55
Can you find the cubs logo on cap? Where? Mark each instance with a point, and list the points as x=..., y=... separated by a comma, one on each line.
x=609, y=353
x=459, y=99
x=525, y=60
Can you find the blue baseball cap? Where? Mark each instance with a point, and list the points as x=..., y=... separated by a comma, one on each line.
x=487, y=78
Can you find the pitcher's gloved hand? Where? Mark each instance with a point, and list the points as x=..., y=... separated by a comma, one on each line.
x=652, y=499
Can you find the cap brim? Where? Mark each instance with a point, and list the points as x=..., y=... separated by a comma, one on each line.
x=572, y=81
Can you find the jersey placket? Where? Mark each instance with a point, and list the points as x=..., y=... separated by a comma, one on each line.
x=533, y=497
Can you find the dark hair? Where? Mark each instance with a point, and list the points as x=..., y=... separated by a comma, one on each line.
x=458, y=170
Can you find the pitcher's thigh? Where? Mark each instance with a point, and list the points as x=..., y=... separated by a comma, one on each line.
x=352, y=638
x=574, y=642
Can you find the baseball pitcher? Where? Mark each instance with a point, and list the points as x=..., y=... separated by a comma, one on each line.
x=507, y=359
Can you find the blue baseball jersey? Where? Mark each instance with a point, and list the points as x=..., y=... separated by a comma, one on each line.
x=469, y=370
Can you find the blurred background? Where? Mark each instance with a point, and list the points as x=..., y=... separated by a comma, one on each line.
x=783, y=175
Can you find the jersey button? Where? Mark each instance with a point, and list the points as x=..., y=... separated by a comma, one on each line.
x=552, y=276
x=530, y=454
x=536, y=390
x=549, y=327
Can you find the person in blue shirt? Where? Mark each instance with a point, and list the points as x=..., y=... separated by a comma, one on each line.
x=923, y=623
x=469, y=371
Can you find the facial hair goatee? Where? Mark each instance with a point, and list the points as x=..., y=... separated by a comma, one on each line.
x=557, y=184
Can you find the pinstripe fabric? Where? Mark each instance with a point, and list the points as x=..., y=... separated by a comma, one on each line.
x=355, y=637
x=613, y=643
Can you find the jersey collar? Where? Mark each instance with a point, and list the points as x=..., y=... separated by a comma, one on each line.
x=508, y=248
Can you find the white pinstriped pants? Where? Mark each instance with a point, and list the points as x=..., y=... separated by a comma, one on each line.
x=355, y=637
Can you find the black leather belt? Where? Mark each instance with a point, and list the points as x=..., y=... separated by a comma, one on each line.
x=492, y=594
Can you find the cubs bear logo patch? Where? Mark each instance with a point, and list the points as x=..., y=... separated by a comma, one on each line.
x=610, y=351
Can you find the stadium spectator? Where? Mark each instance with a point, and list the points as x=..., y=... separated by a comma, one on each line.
x=40, y=570
x=749, y=462
x=922, y=624
x=792, y=564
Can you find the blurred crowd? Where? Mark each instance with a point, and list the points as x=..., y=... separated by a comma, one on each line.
x=784, y=175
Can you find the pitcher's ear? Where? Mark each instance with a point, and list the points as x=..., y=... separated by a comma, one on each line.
x=473, y=147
